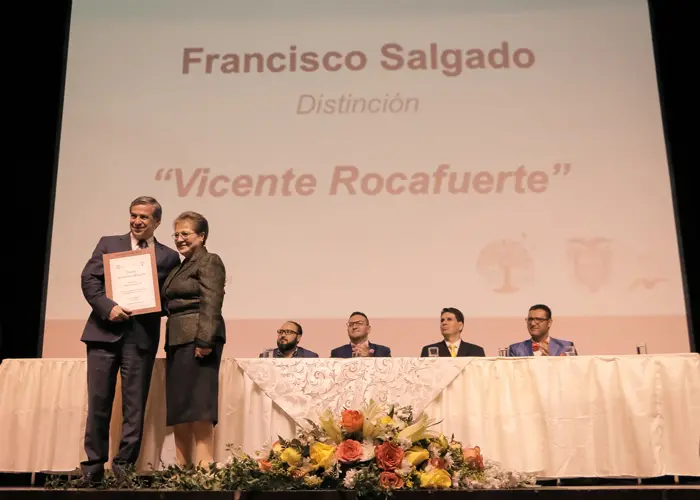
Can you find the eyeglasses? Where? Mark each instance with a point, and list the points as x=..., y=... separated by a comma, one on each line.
x=184, y=234
x=356, y=323
x=287, y=332
x=537, y=321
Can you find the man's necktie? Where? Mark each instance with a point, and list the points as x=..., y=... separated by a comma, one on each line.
x=143, y=244
x=453, y=352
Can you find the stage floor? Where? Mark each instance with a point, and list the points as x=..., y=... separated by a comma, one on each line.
x=648, y=492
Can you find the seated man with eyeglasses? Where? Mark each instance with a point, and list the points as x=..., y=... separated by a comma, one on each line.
x=539, y=320
x=288, y=337
x=360, y=346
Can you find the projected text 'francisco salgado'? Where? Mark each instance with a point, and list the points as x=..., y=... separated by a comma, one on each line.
x=449, y=61
x=350, y=180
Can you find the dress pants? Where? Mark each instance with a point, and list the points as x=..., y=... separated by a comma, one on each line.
x=104, y=361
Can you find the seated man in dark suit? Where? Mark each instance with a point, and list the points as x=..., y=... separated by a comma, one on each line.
x=451, y=326
x=360, y=346
x=288, y=338
x=539, y=320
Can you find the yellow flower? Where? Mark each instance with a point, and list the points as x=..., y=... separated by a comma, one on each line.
x=322, y=455
x=442, y=442
x=409, y=483
x=330, y=427
x=313, y=481
x=417, y=455
x=436, y=478
x=386, y=420
x=291, y=456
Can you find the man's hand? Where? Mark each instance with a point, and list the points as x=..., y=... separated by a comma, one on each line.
x=361, y=351
x=119, y=314
x=200, y=352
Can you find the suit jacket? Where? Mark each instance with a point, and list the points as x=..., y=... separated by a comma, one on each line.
x=556, y=348
x=193, y=294
x=299, y=353
x=465, y=349
x=345, y=351
x=144, y=329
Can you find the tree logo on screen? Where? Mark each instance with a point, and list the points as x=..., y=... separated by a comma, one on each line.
x=591, y=261
x=506, y=265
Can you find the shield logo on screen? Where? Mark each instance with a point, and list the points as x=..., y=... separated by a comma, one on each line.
x=591, y=261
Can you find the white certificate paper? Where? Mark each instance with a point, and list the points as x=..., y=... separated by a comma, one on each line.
x=131, y=280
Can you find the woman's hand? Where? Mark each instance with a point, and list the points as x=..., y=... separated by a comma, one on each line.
x=200, y=352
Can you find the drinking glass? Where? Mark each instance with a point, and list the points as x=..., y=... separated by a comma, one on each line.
x=433, y=352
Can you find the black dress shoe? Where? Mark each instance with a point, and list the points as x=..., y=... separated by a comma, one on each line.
x=91, y=480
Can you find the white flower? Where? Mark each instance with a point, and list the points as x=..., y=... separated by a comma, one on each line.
x=402, y=413
x=405, y=468
x=496, y=478
x=434, y=450
x=455, y=478
x=349, y=481
x=449, y=461
x=367, y=451
x=404, y=443
x=265, y=450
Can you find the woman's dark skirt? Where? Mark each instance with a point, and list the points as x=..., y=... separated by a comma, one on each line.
x=192, y=385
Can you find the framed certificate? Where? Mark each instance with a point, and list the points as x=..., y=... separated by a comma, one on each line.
x=131, y=280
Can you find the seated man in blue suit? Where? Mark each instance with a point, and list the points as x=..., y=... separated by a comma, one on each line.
x=288, y=338
x=451, y=326
x=358, y=332
x=539, y=320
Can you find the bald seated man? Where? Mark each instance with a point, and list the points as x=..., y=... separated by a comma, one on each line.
x=288, y=338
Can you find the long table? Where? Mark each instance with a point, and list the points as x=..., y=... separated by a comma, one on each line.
x=584, y=416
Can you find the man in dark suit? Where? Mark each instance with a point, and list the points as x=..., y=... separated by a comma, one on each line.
x=288, y=338
x=539, y=321
x=451, y=326
x=360, y=346
x=119, y=342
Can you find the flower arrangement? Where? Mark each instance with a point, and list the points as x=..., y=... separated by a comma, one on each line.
x=372, y=450
x=379, y=449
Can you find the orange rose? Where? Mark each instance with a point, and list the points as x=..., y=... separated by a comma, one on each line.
x=388, y=455
x=264, y=465
x=438, y=463
x=390, y=481
x=349, y=451
x=352, y=420
x=473, y=457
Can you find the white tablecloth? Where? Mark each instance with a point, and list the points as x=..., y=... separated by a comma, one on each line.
x=583, y=416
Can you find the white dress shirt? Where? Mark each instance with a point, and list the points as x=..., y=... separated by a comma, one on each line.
x=135, y=242
x=456, y=344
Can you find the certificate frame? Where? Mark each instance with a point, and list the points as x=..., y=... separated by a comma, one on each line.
x=109, y=258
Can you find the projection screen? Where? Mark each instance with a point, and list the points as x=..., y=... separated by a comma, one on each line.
x=392, y=158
